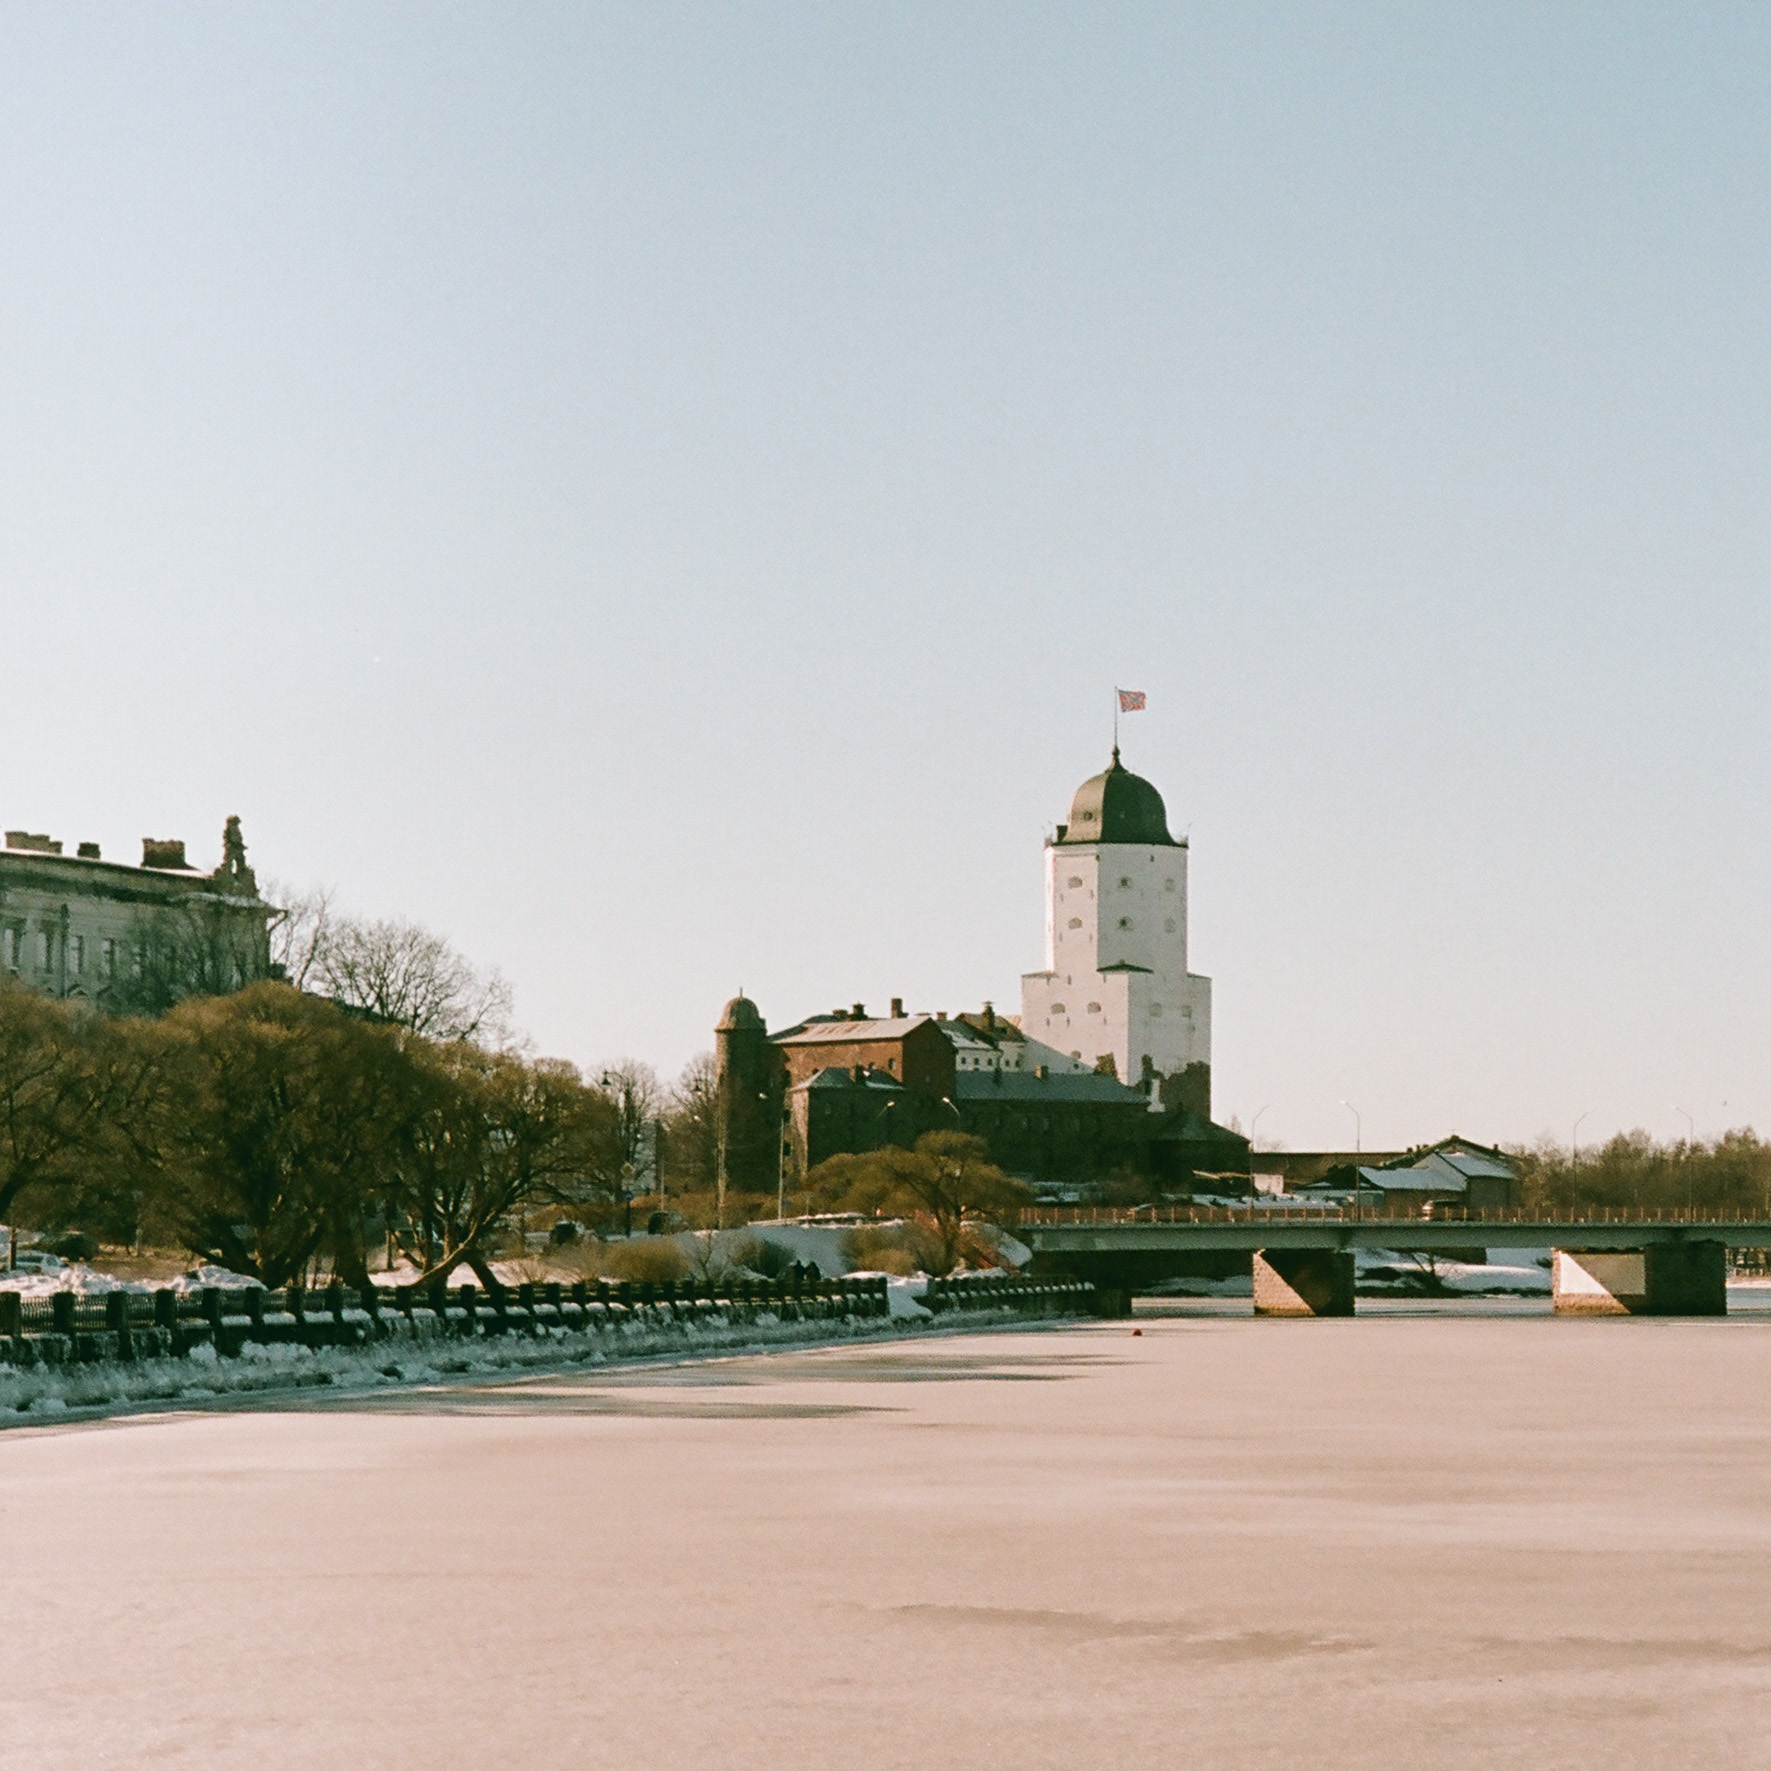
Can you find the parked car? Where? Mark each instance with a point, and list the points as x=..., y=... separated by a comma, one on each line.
x=31, y=1260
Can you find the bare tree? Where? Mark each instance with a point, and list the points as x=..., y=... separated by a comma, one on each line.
x=947, y=1181
x=625, y=1157
x=46, y=1092
x=300, y=931
x=691, y=1127
x=495, y=1136
x=402, y=973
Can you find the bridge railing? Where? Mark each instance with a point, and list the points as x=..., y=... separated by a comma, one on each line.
x=1082, y=1216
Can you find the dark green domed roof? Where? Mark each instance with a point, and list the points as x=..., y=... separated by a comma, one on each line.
x=1118, y=807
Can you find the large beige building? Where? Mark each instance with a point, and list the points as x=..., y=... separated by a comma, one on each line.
x=130, y=938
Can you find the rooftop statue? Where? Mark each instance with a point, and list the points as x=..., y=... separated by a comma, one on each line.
x=233, y=875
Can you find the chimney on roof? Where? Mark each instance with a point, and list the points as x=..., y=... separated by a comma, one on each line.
x=88, y=851
x=859, y=1012
x=897, y=1008
x=156, y=852
x=36, y=844
x=860, y=1072
x=990, y=1016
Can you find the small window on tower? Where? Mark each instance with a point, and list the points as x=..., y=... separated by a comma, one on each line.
x=1168, y=885
x=1125, y=885
x=1170, y=925
x=1076, y=922
x=1074, y=880
x=1059, y=1009
x=1125, y=922
x=1094, y=1008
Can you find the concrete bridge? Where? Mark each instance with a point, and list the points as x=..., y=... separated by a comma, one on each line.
x=1607, y=1263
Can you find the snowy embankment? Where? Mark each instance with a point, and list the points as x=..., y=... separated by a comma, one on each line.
x=85, y=1281
x=202, y=1377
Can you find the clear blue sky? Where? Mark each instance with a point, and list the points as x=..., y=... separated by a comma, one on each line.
x=662, y=493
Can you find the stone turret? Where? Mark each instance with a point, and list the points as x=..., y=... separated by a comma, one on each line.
x=748, y=1096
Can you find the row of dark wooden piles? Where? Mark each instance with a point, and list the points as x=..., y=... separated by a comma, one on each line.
x=73, y=1328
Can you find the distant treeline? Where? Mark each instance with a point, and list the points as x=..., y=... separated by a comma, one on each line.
x=1729, y=1177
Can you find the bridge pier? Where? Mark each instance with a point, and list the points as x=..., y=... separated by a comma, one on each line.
x=1671, y=1279
x=1303, y=1282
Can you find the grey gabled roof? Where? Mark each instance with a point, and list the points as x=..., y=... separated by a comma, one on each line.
x=835, y=1076
x=1027, y=1088
x=1413, y=1180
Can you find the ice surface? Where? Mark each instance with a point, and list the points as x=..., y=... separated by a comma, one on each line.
x=1484, y=1541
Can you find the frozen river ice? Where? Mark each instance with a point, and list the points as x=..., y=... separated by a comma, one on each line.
x=1476, y=1537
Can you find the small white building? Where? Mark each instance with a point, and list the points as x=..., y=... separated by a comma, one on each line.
x=1115, y=984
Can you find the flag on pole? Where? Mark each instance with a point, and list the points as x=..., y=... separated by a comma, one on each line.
x=1131, y=700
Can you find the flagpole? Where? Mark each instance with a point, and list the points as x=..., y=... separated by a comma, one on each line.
x=1115, y=722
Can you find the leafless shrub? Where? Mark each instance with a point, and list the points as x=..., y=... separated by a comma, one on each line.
x=645, y=1259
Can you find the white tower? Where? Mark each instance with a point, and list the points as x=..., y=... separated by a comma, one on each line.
x=1116, y=983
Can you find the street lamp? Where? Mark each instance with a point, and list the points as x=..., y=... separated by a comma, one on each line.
x=1690, y=1143
x=1358, y=1150
x=1574, y=1154
x=781, y=1171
